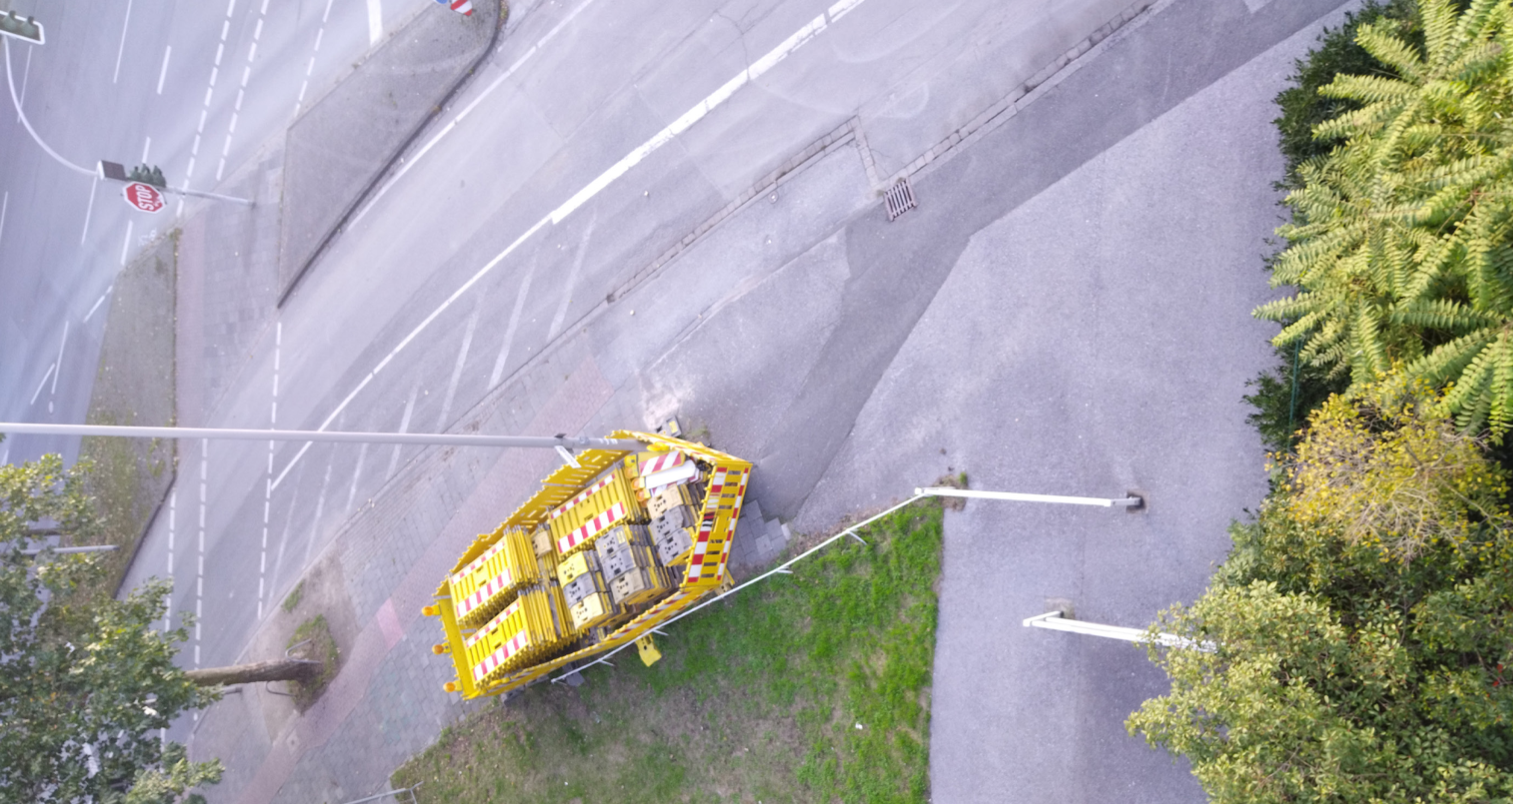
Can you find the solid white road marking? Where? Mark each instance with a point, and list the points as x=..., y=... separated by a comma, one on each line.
x=572, y=280
x=90, y=209
x=126, y=23
x=163, y=71
x=26, y=73
x=362, y=455
x=509, y=329
x=635, y=157
x=320, y=508
x=59, y=364
x=375, y=21
x=404, y=427
x=43, y=384
x=146, y=148
x=469, y=108
x=97, y=303
x=126, y=245
x=462, y=359
x=5, y=203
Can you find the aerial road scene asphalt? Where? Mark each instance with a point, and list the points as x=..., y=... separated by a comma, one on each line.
x=755, y=400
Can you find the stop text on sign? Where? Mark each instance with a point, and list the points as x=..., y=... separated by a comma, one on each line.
x=144, y=197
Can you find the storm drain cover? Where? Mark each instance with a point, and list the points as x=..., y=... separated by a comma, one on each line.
x=899, y=199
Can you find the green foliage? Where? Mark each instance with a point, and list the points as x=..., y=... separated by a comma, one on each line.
x=85, y=681
x=318, y=644
x=294, y=597
x=1345, y=673
x=1400, y=240
x=1285, y=395
x=1303, y=108
x=755, y=699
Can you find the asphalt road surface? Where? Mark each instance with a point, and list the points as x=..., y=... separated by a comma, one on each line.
x=196, y=87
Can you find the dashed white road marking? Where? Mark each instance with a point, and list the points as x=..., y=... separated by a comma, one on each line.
x=241, y=91
x=320, y=508
x=199, y=575
x=462, y=359
x=262, y=561
x=125, y=24
x=146, y=149
x=700, y=110
x=173, y=504
x=163, y=71
x=310, y=66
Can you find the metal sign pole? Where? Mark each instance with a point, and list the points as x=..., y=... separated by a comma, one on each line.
x=436, y=439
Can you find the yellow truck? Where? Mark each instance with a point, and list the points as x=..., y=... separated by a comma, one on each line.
x=607, y=550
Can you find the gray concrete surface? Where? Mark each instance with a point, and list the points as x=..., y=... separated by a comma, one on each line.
x=341, y=144
x=799, y=320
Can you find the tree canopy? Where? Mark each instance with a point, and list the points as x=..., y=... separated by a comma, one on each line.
x=1363, y=624
x=1399, y=244
x=85, y=680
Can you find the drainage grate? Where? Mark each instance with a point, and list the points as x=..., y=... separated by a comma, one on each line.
x=899, y=199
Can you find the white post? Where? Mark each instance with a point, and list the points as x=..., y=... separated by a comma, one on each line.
x=1011, y=496
x=1056, y=622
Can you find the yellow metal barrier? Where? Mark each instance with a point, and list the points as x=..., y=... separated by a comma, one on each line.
x=583, y=534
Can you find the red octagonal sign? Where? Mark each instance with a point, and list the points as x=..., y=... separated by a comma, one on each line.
x=144, y=197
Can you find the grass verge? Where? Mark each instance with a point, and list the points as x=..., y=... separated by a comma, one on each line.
x=809, y=687
x=322, y=648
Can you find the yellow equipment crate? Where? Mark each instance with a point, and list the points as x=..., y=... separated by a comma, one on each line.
x=715, y=483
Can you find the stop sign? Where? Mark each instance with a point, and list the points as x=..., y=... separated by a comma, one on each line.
x=144, y=197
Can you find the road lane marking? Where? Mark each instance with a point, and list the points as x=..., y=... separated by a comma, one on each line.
x=520, y=62
x=26, y=74
x=146, y=147
x=362, y=455
x=262, y=562
x=462, y=359
x=98, y=302
x=241, y=92
x=404, y=427
x=126, y=23
x=509, y=329
x=199, y=578
x=89, y=210
x=375, y=21
x=59, y=364
x=173, y=504
x=4, y=205
x=310, y=67
x=43, y=384
x=320, y=508
x=693, y=115
x=572, y=280
x=163, y=71
x=126, y=245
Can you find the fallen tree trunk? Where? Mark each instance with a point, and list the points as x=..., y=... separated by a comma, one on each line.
x=276, y=670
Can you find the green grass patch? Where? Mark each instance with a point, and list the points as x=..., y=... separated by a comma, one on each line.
x=293, y=599
x=808, y=687
x=322, y=648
